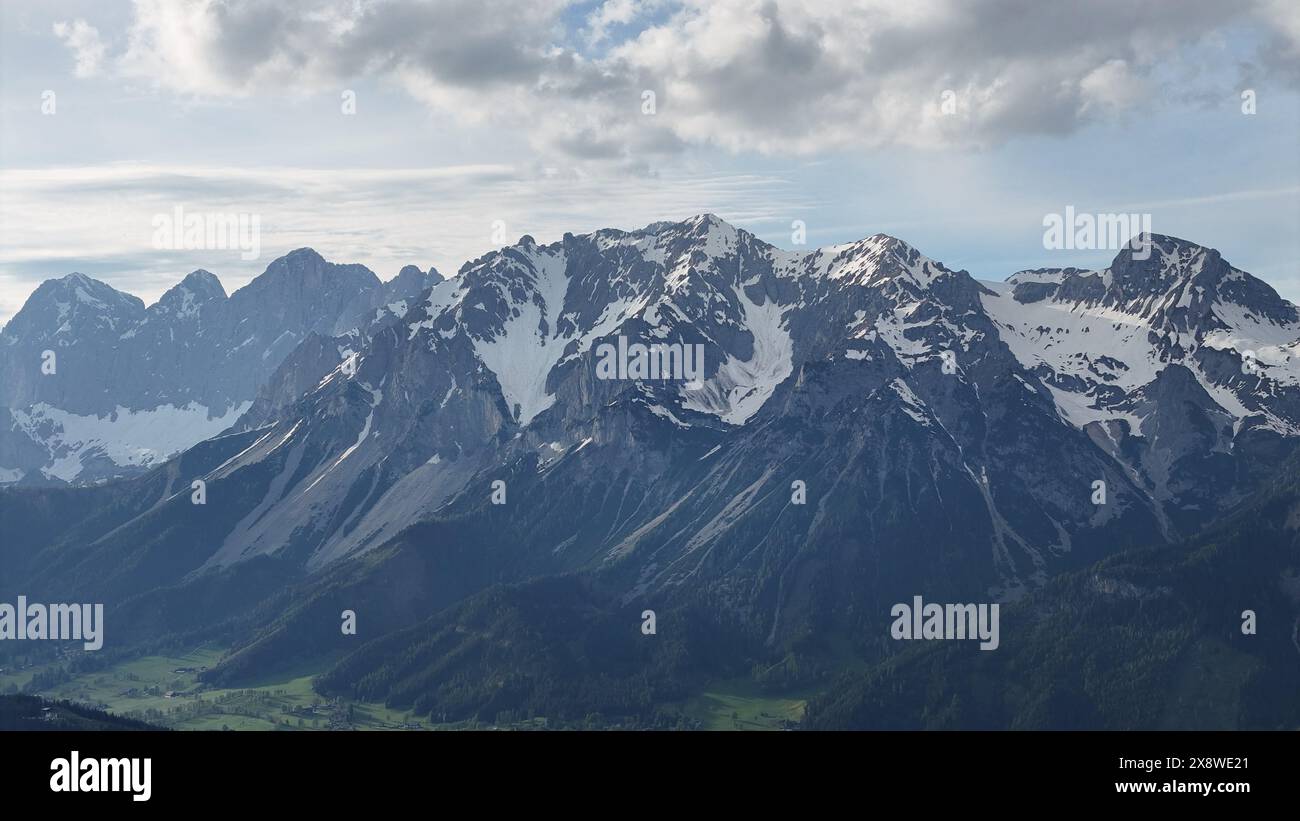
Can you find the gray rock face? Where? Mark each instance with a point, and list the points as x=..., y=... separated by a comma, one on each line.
x=131, y=386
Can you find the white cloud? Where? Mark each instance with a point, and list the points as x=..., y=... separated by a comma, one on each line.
x=613, y=13
x=748, y=75
x=241, y=47
x=1112, y=86
x=84, y=42
x=775, y=77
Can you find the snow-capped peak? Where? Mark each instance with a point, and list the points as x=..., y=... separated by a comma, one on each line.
x=877, y=259
x=1098, y=336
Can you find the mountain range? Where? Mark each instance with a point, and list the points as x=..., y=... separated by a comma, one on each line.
x=443, y=458
x=129, y=386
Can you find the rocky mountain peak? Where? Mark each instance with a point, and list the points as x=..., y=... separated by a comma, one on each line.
x=708, y=233
x=878, y=260
x=186, y=297
x=203, y=283
x=302, y=289
x=72, y=304
x=1155, y=264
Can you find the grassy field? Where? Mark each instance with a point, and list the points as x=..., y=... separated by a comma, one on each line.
x=741, y=705
x=165, y=690
x=744, y=704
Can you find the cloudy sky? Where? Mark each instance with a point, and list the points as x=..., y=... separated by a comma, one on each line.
x=390, y=132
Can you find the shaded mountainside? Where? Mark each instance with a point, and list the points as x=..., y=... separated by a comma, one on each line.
x=557, y=647
x=1146, y=639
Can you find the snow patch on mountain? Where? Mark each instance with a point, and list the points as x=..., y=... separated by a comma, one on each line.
x=740, y=387
x=128, y=438
x=912, y=404
x=1095, y=347
x=1276, y=346
x=1074, y=340
x=523, y=354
